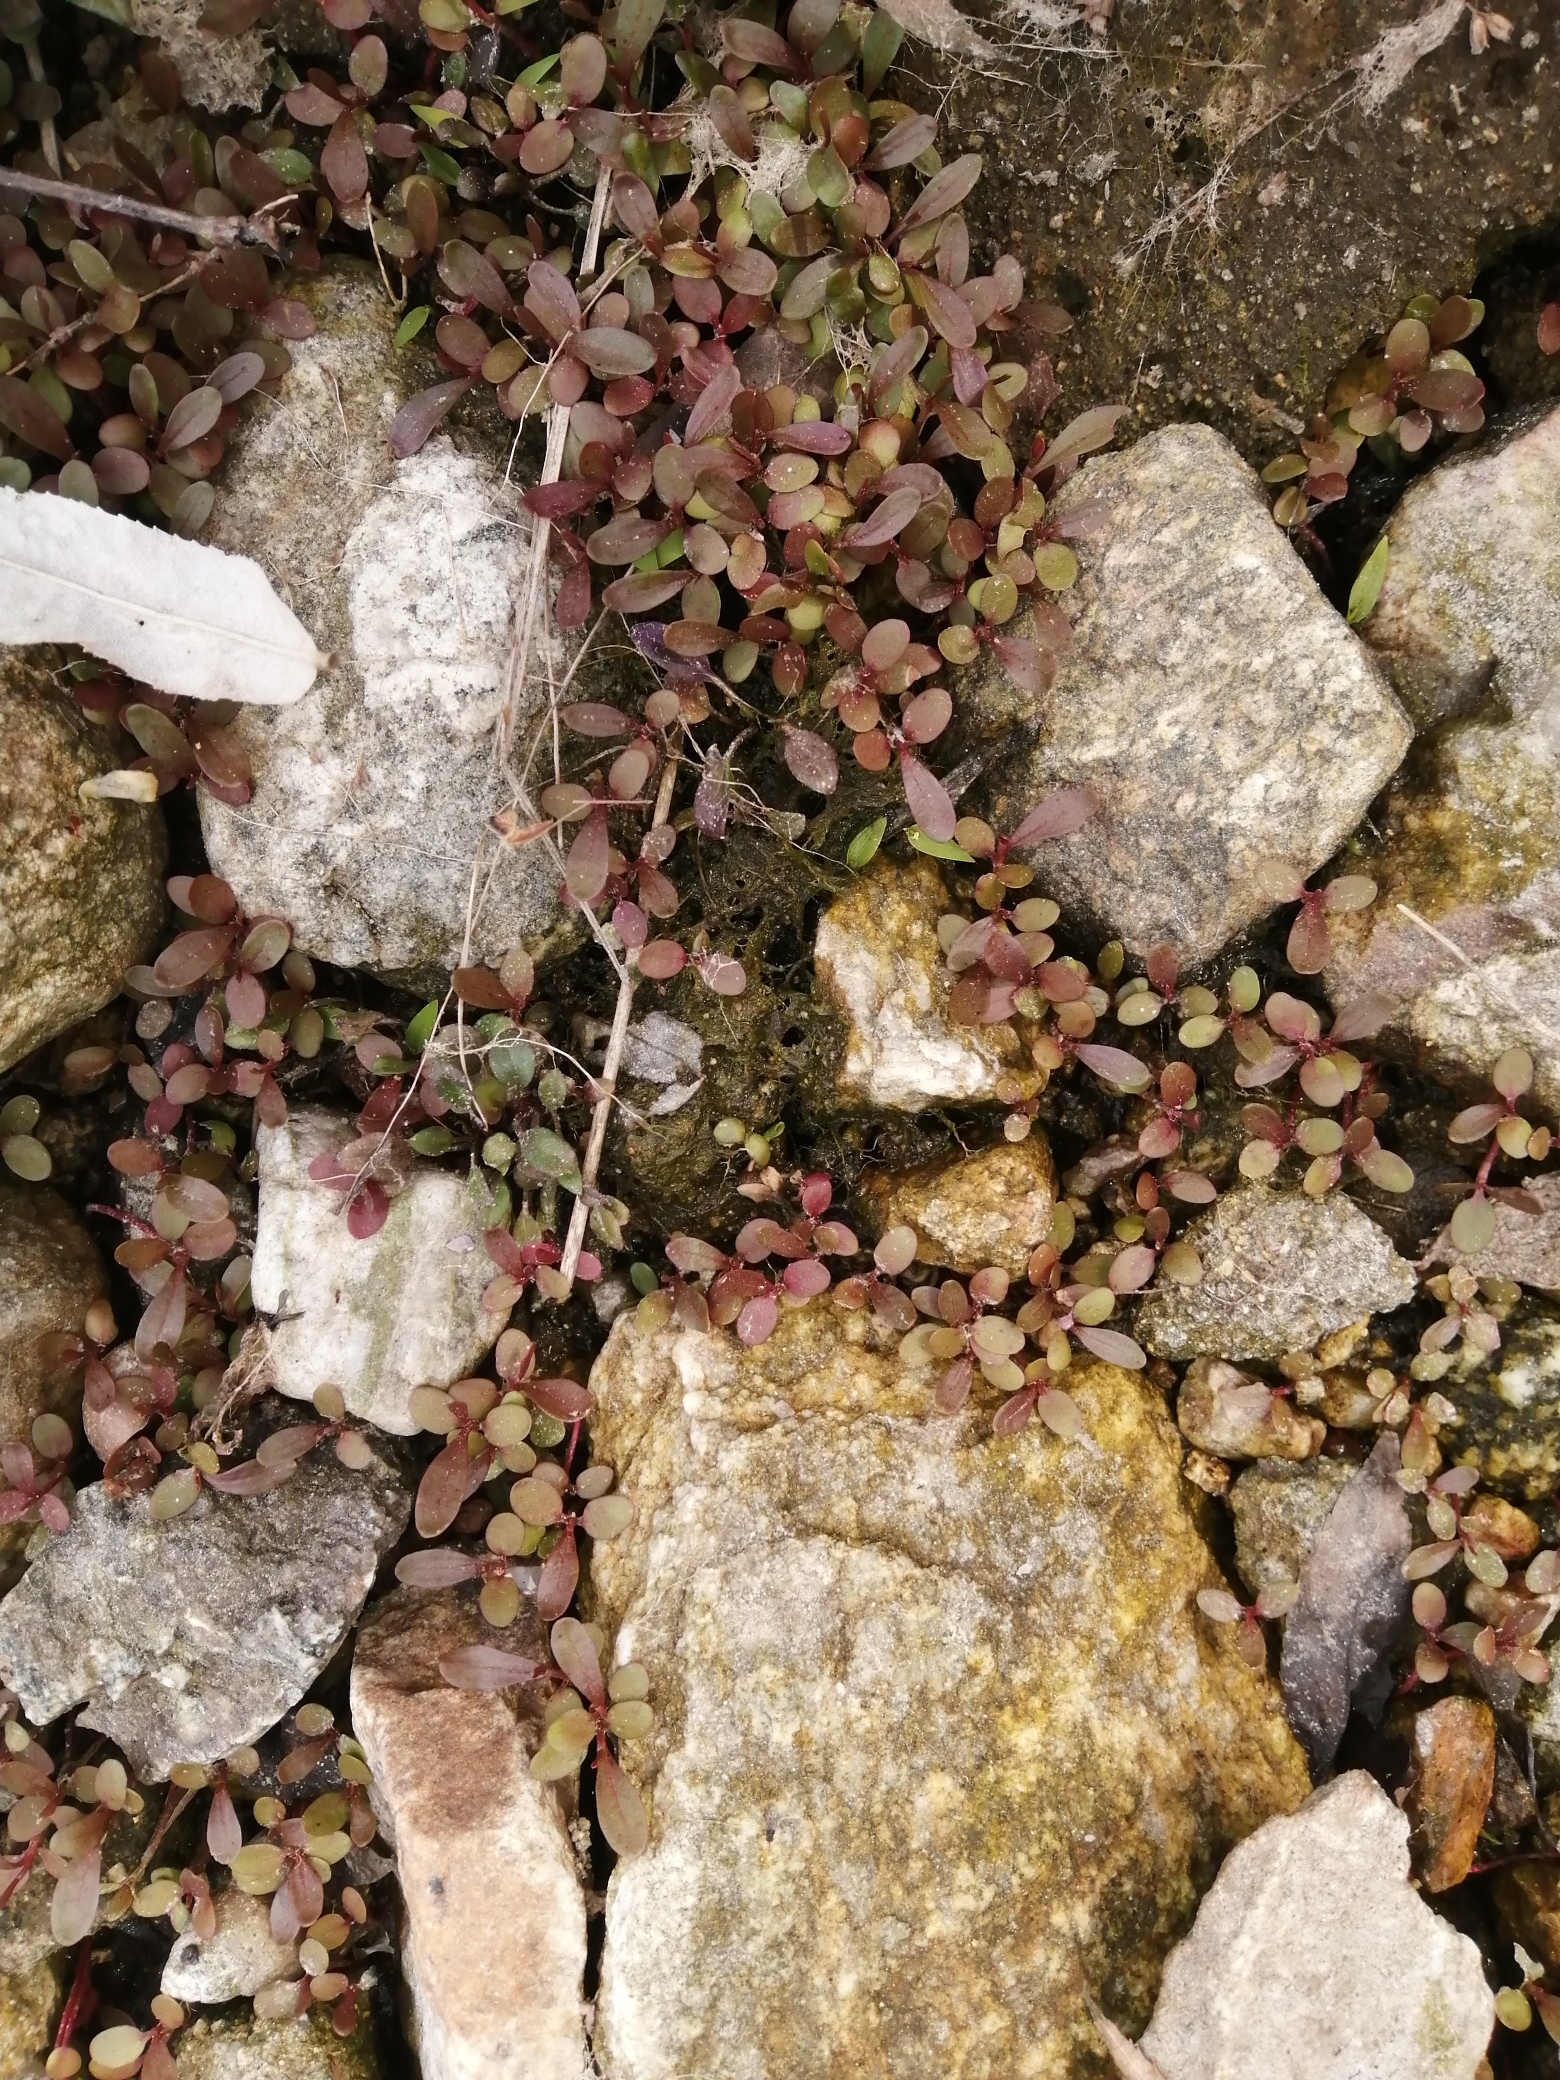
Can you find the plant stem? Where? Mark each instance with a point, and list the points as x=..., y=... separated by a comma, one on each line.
x=81, y=2000
x=220, y=231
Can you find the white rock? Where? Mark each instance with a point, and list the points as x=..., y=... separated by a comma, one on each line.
x=494, y=1948
x=376, y=1318
x=1313, y=1958
x=879, y=961
x=372, y=796
x=241, y=1957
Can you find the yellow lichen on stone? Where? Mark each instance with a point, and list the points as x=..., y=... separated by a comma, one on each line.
x=941, y=1739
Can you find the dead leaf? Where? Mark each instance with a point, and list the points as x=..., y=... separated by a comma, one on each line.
x=180, y=615
x=940, y=24
x=1351, y=1606
x=1125, y=2056
x=1450, y=1788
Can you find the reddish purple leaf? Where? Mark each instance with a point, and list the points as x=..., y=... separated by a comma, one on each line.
x=810, y=760
x=1112, y=1346
x=619, y=1807
x=487, y=1668
x=437, y=1567
x=1113, y=1065
x=930, y=803
x=564, y=1398
x=368, y=1211
x=422, y=414
x=1058, y=816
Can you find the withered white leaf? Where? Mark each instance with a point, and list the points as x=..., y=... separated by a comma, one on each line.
x=1125, y=2056
x=180, y=615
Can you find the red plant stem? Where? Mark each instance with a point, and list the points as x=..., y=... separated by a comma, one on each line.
x=81, y=1999
x=173, y=1806
x=125, y=1220
x=1487, y=1165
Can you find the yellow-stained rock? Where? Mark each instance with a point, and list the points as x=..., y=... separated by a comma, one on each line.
x=29, y=2004
x=941, y=1740
x=993, y=1207
x=880, y=965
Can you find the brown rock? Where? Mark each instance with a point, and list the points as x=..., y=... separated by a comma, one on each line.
x=993, y=1207
x=1527, y=1900
x=1449, y=1789
x=494, y=1947
x=81, y=894
x=1223, y=1410
x=1509, y=1531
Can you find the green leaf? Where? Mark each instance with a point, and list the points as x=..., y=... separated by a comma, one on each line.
x=440, y=164
x=549, y=1154
x=432, y=1141
x=1366, y=589
x=533, y=75
x=26, y=1157
x=879, y=47
x=421, y=1027
x=938, y=848
x=864, y=845
x=513, y=1062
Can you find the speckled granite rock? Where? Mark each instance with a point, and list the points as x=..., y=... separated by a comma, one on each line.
x=1280, y=1271
x=376, y=1318
x=1220, y=708
x=236, y=2047
x=1279, y=1506
x=993, y=1207
x=1509, y=1406
x=1470, y=608
x=493, y=1951
x=880, y=966
x=1314, y=1958
x=29, y=2008
x=941, y=1739
x=81, y=893
x=1524, y=1247
x=186, y=1639
x=372, y=794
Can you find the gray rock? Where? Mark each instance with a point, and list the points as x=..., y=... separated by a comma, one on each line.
x=81, y=893
x=239, y=2048
x=493, y=1948
x=1314, y=1958
x=1280, y=1271
x=187, y=1639
x=1279, y=1506
x=1221, y=710
x=240, y=1958
x=372, y=795
x=933, y=1753
x=1462, y=937
x=880, y=967
x=399, y=1310
x=1470, y=608
x=1525, y=1247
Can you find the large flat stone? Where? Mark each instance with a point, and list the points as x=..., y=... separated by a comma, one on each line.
x=493, y=1952
x=378, y=1317
x=1221, y=710
x=1314, y=1958
x=187, y=1639
x=941, y=1739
